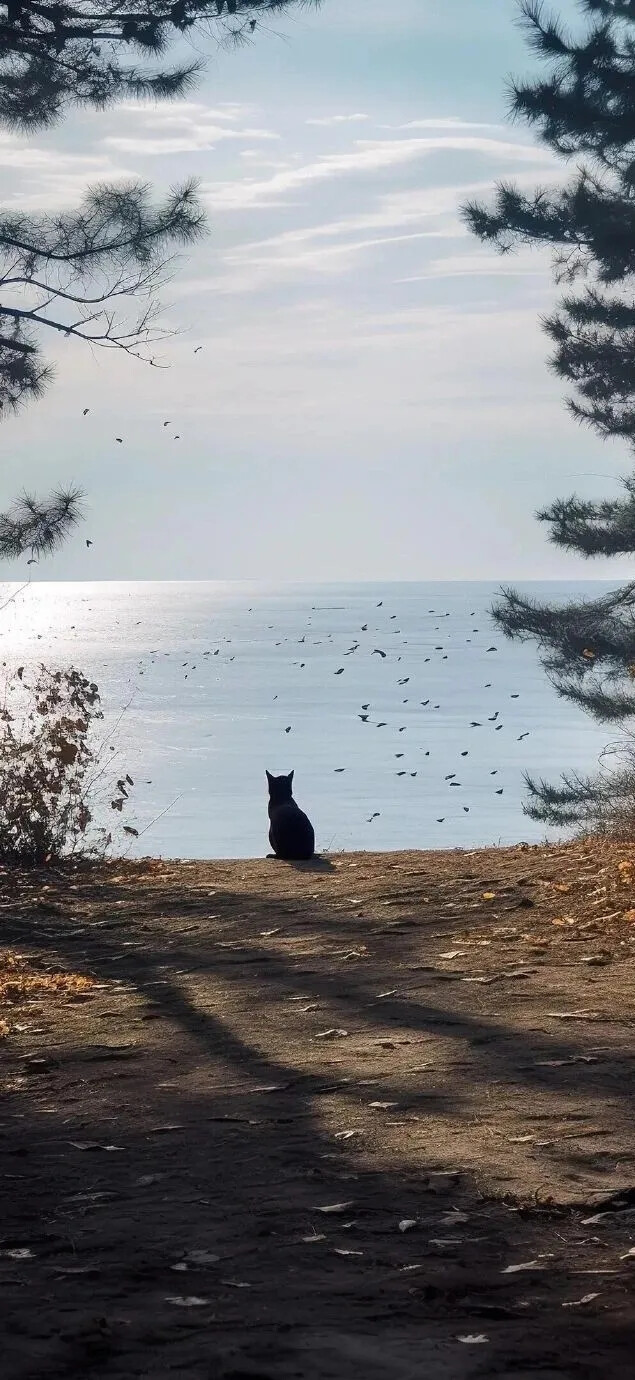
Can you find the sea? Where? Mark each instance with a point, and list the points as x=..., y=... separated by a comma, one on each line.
x=408, y=719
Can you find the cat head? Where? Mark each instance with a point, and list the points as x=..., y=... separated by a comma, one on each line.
x=280, y=787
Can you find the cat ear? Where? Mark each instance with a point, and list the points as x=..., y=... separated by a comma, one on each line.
x=290, y=777
x=269, y=777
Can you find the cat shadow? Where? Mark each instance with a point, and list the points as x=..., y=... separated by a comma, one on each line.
x=315, y=864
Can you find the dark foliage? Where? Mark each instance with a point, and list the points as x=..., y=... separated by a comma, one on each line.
x=38, y=527
x=584, y=109
x=59, y=53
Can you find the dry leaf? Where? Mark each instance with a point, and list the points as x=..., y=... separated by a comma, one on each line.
x=454, y=953
x=318, y=1236
x=573, y=1015
x=526, y=1265
x=335, y=1207
x=186, y=1300
x=407, y=1224
x=519, y=1140
x=576, y=1303
x=338, y=1250
x=489, y=895
x=333, y=1034
x=92, y=1145
x=471, y=1338
x=383, y=1106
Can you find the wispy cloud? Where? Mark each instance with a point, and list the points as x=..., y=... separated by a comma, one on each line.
x=338, y=119
x=367, y=156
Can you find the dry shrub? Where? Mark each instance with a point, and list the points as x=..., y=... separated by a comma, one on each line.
x=51, y=769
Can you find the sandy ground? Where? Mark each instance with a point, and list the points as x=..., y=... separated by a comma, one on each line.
x=368, y=1117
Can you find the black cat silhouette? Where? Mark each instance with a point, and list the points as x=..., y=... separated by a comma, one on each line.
x=290, y=831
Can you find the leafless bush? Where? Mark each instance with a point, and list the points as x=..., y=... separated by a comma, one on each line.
x=51, y=770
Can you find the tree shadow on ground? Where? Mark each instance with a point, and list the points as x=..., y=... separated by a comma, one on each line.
x=233, y=1136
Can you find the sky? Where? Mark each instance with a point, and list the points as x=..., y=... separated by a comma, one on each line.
x=371, y=399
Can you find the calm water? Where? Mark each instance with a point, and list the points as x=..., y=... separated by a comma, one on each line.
x=213, y=675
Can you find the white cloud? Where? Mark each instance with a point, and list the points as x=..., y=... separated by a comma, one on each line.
x=195, y=139
x=338, y=119
x=367, y=156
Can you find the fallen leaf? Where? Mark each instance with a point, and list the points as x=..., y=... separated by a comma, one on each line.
x=338, y=1250
x=407, y=1224
x=576, y=1303
x=93, y=1145
x=629, y=1254
x=346, y=1135
x=573, y=1015
x=471, y=1338
x=319, y=1236
x=18, y=1253
x=334, y=1208
x=186, y=1300
x=519, y=1140
x=383, y=1106
x=489, y=895
x=454, y=953
x=333, y=1034
x=526, y=1265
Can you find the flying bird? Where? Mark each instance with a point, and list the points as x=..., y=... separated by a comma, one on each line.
x=364, y=718
x=119, y=439
x=366, y=706
x=364, y=627
x=167, y=424
x=521, y=736
x=424, y=702
x=514, y=697
x=381, y=724
x=340, y=672
x=500, y=792
x=377, y=652
x=372, y=817
x=198, y=347
x=288, y=730
x=85, y=412
x=492, y=649
x=441, y=820
x=339, y=768
x=465, y=754
x=400, y=773
x=88, y=541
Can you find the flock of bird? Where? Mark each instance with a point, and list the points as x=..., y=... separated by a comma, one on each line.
x=396, y=690
x=366, y=713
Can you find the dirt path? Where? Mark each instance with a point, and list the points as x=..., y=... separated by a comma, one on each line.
x=368, y=1118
